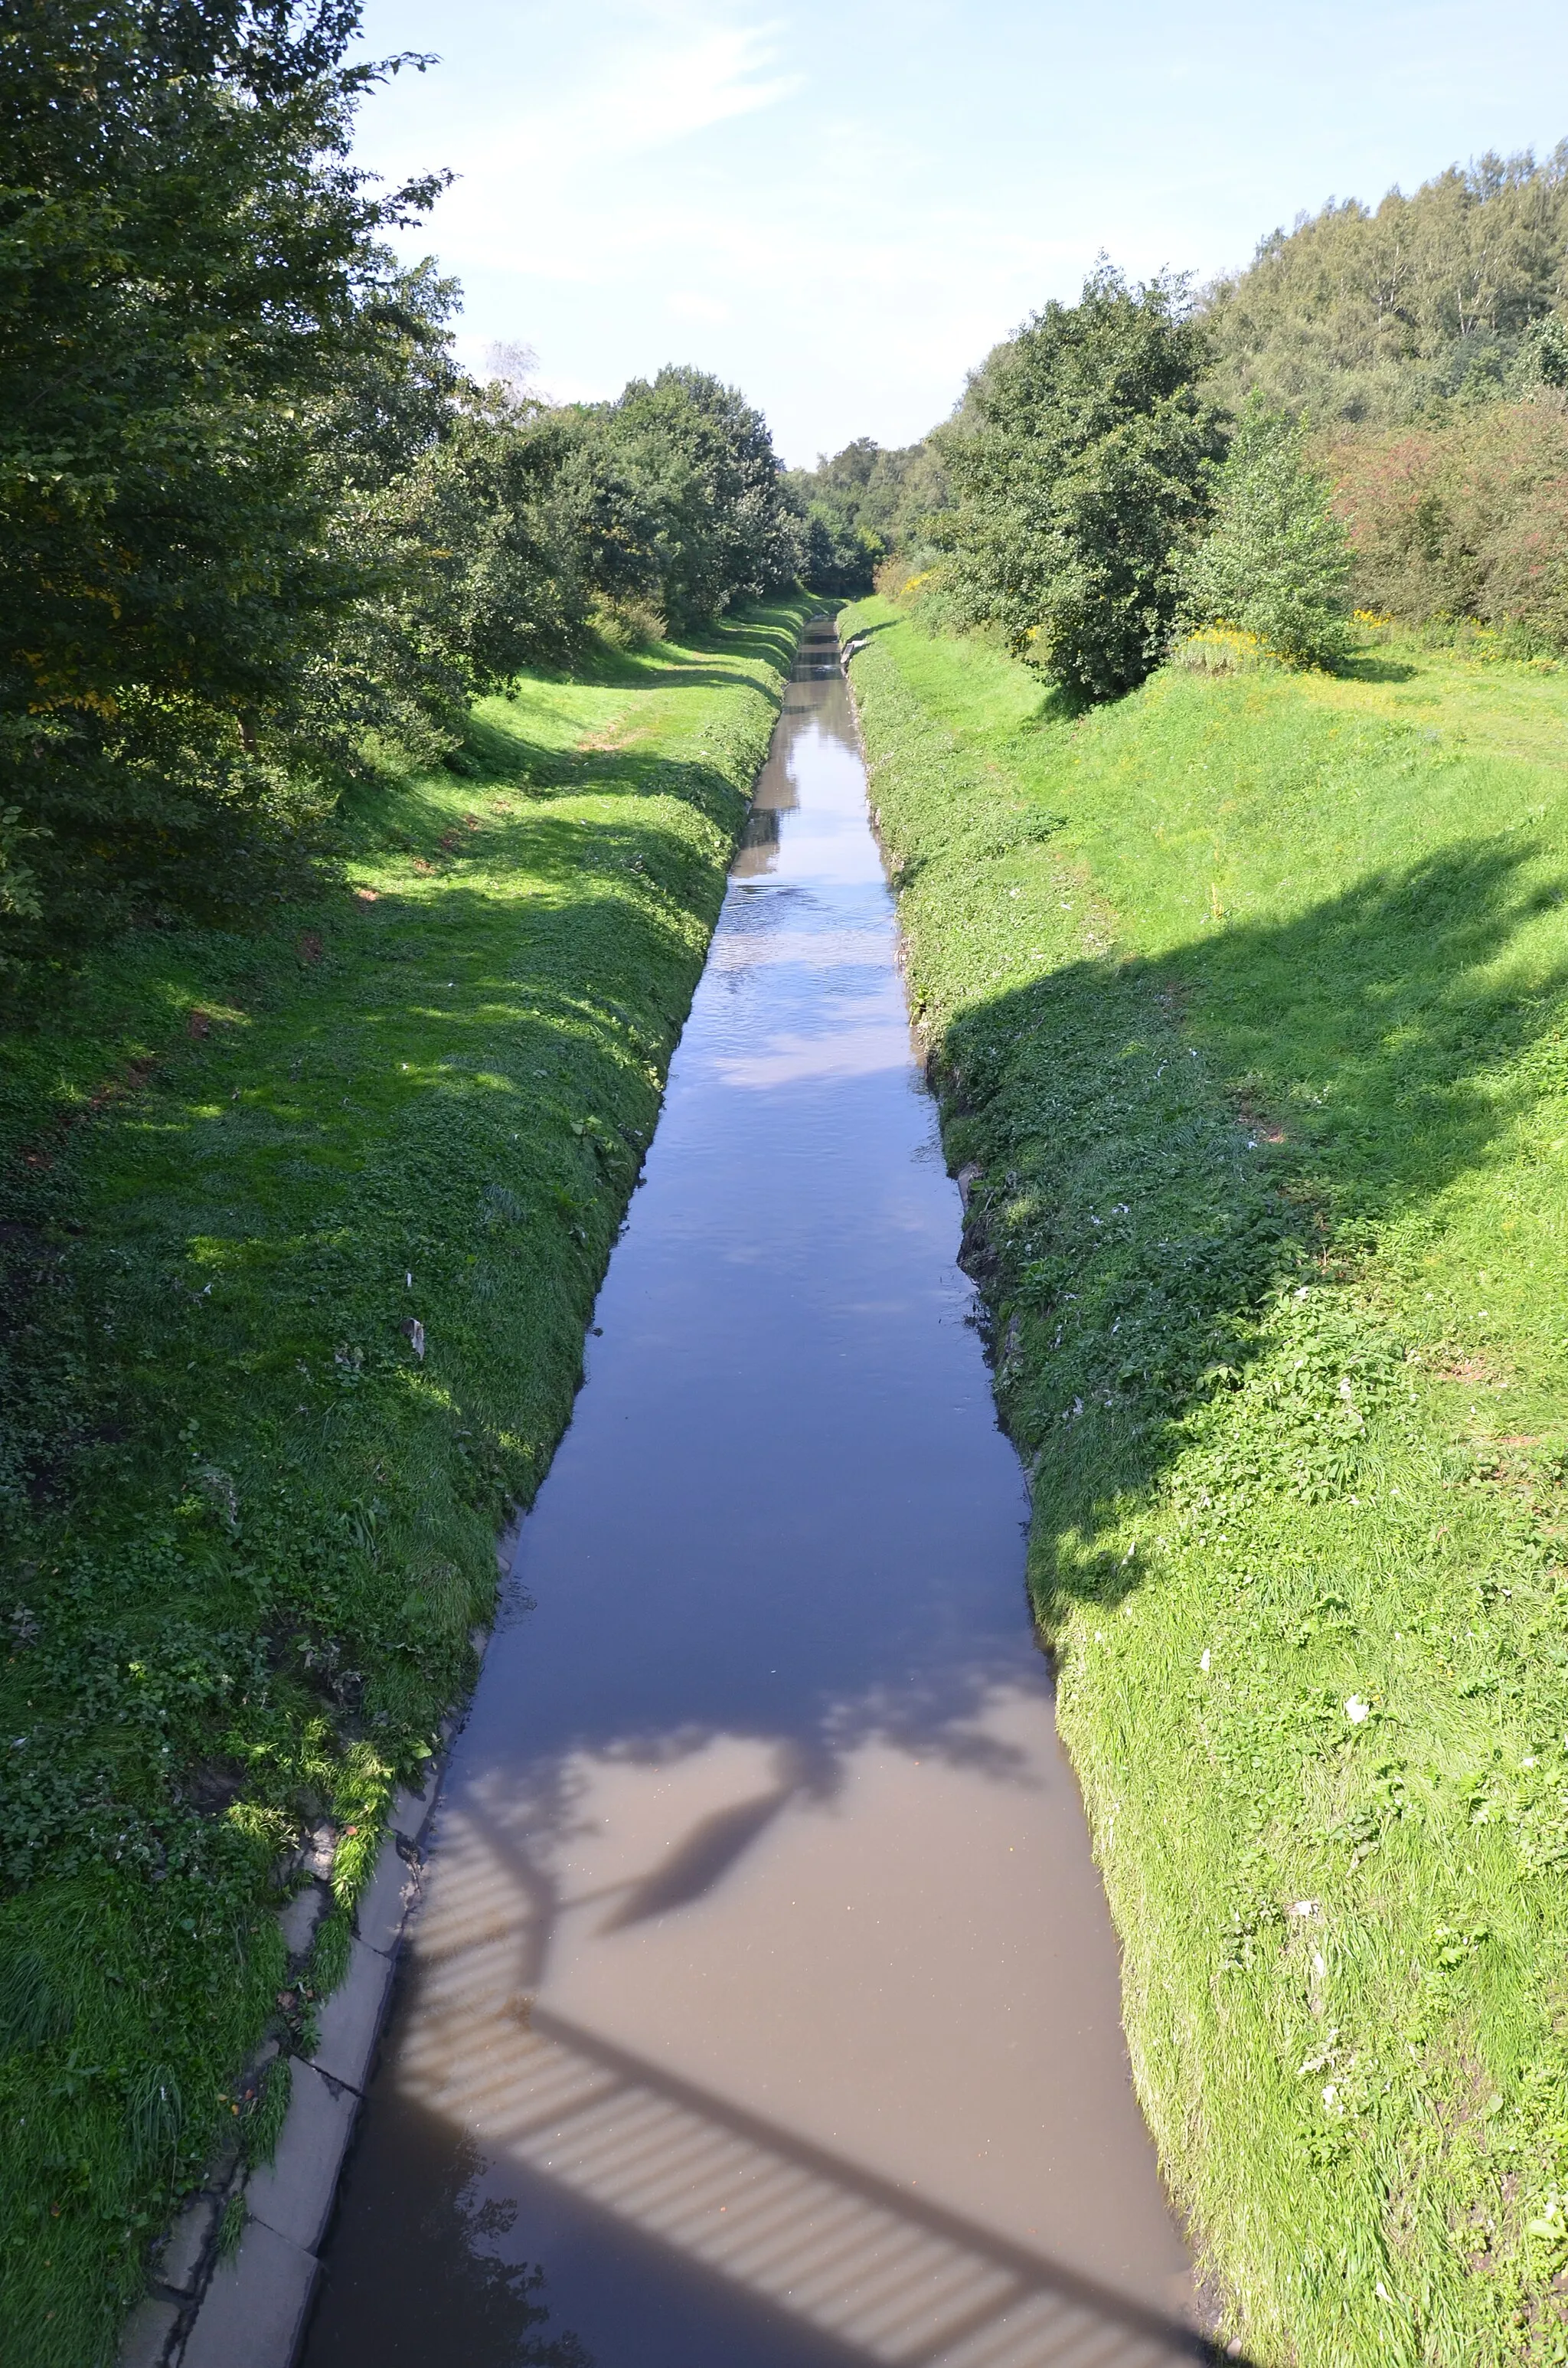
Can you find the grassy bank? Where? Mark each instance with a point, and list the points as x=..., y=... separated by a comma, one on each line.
x=1249, y=1002
x=303, y=1232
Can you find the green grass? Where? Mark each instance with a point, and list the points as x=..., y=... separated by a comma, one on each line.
x=248, y=1530
x=1248, y=997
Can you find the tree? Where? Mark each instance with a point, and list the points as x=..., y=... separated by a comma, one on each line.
x=1389, y=314
x=251, y=513
x=703, y=462
x=866, y=503
x=189, y=269
x=1078, y=459
x=451, y=506
x=1276, y=560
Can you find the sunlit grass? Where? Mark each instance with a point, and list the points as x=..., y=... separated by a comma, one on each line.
x=249, y=1526
x=1250, y=997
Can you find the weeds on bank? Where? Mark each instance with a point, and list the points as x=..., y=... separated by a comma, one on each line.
x=1248, y=998
x=301, y=1235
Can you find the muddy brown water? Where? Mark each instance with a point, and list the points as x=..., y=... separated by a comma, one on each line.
x=762, y=2011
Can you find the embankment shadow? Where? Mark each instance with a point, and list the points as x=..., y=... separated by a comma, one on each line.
x=497, y=752
x=1165, y=1143
x=1369, y=665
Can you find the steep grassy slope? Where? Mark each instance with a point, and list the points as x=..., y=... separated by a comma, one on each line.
x=1250, y=1000
x=250, y=1508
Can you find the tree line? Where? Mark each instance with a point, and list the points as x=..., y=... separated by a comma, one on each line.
x=255, y=523
x=258, y=530
x=1374, y=415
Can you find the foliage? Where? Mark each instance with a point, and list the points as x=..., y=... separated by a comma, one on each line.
x=702, y=462
x=861, y=505
x=484, y=568
x=247, y=1528
x=1076, y=462
x=188, y=269
x=1464, y=520
x=1275, y=560
x=1249, y=1001
x=1383, y=314
x=841, y=557
x=254, y=522
x=1027, y=515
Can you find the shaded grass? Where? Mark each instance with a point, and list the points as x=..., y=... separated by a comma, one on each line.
x=248, y=1526
x=1248, y=998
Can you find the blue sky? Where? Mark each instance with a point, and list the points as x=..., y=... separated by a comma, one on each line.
x=841, y=207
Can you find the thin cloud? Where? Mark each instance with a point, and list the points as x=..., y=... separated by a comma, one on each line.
x=841, y=205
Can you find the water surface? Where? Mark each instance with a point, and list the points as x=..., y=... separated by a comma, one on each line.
x=763, y=2012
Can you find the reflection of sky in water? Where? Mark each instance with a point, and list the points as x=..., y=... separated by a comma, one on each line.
x=764, y=1962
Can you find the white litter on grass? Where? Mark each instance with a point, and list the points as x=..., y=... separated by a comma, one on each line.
x=1203, y=1661
x=1356, y=1710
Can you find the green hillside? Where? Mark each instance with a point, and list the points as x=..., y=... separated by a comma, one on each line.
x=1249, y=999
x=303, y=1236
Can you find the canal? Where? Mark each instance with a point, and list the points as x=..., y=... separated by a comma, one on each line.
x=763, y=2007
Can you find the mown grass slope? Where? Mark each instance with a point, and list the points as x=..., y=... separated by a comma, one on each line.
x=1250, y=1002
x=250, y=1513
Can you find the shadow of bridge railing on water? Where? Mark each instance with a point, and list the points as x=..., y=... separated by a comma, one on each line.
x=870, y=2271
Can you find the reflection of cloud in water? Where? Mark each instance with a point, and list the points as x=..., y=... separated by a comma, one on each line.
x=818, y=948
x=790, y=1060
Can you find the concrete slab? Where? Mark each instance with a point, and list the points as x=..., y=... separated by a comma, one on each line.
x=145, y=2339
x=320, y=1851
x=352, y=2016
x=384, y=1905
x=292, y=2194
x=178, y=2261
x=253, y=2313
x=299, y=1919
x=411, y=1809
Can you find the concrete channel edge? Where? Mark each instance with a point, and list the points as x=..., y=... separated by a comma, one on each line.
x=245, y=2306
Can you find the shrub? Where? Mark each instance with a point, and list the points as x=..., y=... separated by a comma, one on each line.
x=1275, y=562
x=1465, y=519
x=628, y=624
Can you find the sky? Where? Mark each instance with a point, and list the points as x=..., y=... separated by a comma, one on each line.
x=841, y=208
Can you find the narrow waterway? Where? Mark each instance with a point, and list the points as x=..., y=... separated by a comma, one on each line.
x=764, y=2000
